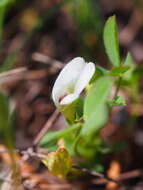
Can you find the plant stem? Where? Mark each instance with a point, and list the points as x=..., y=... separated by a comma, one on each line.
x=76, y=141
x=118, y=87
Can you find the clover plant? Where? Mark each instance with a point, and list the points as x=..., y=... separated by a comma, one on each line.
x=87, y=113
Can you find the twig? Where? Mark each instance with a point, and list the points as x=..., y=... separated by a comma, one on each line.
x=124, y=176
x=47, y=60
x=96, y=174
x=48, y=125
x=22, y=73
x=131, y=174
x=30, y=152
x=103, y=179
x=13, y=72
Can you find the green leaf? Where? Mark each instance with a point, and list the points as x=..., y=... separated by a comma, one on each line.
x=102, y=70
x=118, y=71
x=55, y=135
x=4, y=2
x=118, y=101
x=95, y=110
x=97, y=95
x=97, y=119
x=111, y=41
x=129, y=60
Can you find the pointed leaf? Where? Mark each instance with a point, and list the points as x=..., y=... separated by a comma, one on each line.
x=95, y=110
x=97, y=95
x=111, y=41
x=55, y=135
x=96, y=120
x=129, y=62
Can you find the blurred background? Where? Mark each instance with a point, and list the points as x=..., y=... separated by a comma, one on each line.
x=38, y=37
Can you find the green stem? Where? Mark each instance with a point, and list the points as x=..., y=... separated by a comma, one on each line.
x=118, y=87
x=76, y=144
x=76, y=141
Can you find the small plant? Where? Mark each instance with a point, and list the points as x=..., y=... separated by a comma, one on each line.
x=87, y=114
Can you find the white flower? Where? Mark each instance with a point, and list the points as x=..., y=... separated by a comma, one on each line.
x=71, y=81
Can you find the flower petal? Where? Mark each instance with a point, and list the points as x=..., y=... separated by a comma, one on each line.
x=85, y=77
x=67, y=79
x=69, y=99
